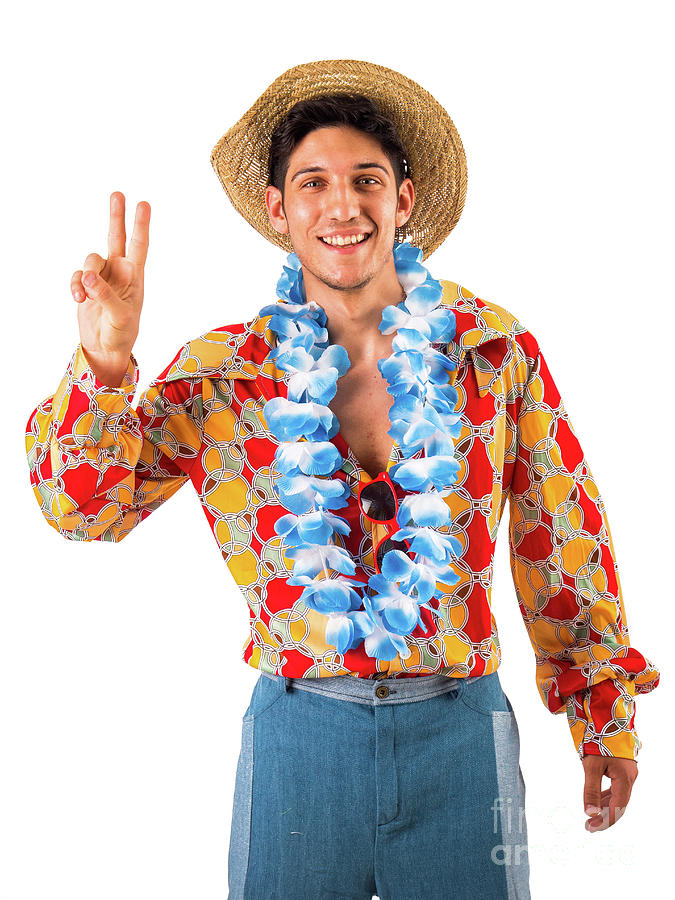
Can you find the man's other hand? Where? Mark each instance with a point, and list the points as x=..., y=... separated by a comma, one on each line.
x=606, y=807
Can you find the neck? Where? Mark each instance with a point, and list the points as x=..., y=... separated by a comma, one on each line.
x=354, y=315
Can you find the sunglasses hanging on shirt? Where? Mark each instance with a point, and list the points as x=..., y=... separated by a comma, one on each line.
x=378, y=502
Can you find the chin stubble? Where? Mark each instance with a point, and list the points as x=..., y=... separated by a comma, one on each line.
x=337, y=286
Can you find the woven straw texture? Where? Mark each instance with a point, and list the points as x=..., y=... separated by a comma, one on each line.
x=434, y=151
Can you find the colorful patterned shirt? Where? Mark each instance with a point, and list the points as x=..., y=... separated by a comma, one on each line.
x=99, y=467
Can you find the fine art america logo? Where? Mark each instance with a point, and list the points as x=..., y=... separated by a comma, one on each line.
x=509, y=821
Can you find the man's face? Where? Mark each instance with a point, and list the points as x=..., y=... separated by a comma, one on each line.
x=340, y=183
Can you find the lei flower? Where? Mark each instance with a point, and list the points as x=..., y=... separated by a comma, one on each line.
x=422, y=416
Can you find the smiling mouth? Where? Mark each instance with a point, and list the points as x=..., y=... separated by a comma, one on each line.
x=348, y=242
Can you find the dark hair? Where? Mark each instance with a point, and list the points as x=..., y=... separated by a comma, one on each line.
x=334, y=109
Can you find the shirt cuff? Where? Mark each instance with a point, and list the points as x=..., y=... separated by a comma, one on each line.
x=87, y=413
x=87, y=380
x=602, y=719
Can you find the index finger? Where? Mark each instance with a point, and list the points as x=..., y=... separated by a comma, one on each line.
x=116, y=231
x=618, y=799
x=140, y=239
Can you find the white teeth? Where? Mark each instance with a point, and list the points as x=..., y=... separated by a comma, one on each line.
x=343, y=241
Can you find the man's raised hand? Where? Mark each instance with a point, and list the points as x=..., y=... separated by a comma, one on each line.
x=109, y=308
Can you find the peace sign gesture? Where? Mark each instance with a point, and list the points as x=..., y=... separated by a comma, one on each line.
x=109, y=308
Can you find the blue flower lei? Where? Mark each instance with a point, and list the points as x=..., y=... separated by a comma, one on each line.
x=421, y=416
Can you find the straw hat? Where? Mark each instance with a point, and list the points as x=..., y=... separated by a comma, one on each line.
x=434, y=151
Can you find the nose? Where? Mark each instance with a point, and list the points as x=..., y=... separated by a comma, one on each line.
x=342, y=202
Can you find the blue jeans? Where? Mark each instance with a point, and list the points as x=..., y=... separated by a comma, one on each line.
x=404, y=788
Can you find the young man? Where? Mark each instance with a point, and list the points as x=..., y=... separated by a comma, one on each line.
x=353, y=447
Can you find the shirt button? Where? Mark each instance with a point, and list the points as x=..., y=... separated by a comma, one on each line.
x=382, y=691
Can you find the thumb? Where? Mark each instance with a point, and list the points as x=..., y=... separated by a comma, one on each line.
x=95, y=286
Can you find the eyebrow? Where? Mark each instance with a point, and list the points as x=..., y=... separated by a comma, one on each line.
x=358, y=166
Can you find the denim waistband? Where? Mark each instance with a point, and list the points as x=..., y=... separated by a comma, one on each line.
x=376, y=690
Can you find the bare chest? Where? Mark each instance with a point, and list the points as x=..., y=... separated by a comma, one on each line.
x=361, y=405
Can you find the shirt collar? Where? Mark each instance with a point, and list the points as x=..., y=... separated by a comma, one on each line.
x=223, y=353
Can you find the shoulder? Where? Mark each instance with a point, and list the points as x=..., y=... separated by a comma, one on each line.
x=228, y=351
x=478, y=322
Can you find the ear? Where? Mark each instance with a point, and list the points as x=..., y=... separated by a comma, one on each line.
x=406, y=201
x=275, y=209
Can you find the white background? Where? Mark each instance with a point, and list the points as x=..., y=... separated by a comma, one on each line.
x=121, y=680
